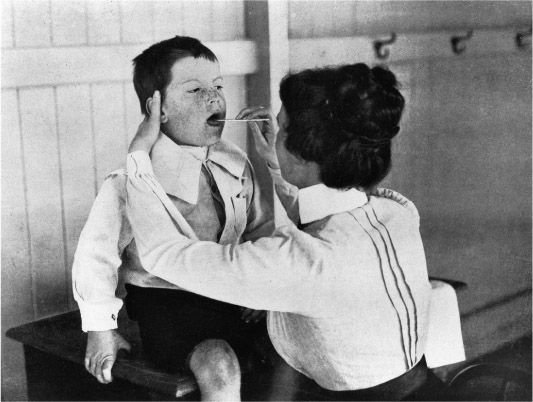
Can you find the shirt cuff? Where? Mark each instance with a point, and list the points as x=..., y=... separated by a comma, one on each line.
x=139, y=163
x=99, y=317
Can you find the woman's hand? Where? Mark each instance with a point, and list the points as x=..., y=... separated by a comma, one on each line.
x=264, y=132
x=148, y=130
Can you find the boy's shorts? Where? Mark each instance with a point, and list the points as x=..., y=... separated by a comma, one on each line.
x=172, y=322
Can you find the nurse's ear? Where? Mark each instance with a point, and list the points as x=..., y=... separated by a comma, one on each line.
x=149, y=103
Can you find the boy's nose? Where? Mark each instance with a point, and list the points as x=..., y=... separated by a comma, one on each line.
x=213, y=96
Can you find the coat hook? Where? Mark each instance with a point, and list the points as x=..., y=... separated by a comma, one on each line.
x=520, y=39
x=457, y=40
x=378, y=46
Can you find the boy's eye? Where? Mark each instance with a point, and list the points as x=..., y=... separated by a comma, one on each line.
x=219, y=87
x=193, y=90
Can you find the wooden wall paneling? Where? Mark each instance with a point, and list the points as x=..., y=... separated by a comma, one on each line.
x=69, y=23
x=235, y=93
x=97, y=64
x=77, y=165
x=137, y=18
x=32, y=23
x=413, y=138
x=267, y=23
x=17, y=289
x=480, y=133
x=379, y=17
x=41, y=160
x=103, y=22
x=472, y=187
x=302, y=18
x=489, y=329
x=228, y=20
x=342, y=22
x=197, y=19
x=168, y=19
x=320, y=52
x=278, y=32
x=17, y=303
x=109, y=133
x=310, y=19
x=8, y=37
x=132, y=110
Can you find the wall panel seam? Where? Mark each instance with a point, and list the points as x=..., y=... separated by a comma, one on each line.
x=51, y=25
x=13, y=27
x=26, y=212
x=62, y=202
x=121, y=23
x=93, y=137
x=87, y=32
x=125, y=116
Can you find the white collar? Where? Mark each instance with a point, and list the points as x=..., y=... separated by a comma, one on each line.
x=318, y=201
x=177, y=167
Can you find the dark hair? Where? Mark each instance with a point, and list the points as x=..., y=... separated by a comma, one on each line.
x=343, y=118
x=152, y=68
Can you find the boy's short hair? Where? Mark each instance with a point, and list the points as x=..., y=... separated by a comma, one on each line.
x=152, y=68
x=343, y=118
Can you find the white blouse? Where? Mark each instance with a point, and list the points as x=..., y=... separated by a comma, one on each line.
x=348, y=297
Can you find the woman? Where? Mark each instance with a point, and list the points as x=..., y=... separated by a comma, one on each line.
x=347, y=289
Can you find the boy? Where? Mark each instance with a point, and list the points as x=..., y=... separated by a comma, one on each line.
x=212, y=185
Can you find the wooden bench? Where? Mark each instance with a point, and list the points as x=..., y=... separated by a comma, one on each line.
x=54, y=351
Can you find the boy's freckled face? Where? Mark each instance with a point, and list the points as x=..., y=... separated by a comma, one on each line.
x=193, y=102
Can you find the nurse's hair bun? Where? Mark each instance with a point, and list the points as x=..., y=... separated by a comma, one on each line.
x=344, y=119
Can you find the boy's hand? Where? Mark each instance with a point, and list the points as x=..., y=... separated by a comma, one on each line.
x=148, y=130
x=250, y=315
x=101, y=353
x=265, y=135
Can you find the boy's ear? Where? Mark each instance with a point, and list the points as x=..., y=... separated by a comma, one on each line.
x=149, y=102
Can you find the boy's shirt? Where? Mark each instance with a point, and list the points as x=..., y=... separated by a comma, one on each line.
x=213, y=188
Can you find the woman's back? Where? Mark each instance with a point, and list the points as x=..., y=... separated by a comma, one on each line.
x=370, y=294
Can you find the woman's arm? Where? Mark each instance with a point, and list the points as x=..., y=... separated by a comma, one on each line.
x=273, y=273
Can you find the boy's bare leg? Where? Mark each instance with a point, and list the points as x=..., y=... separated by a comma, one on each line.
x=217, y=371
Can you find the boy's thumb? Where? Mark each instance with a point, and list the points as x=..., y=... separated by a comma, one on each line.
x=106, y=369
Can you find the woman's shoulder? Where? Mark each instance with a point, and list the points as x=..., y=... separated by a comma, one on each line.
x=386, y=194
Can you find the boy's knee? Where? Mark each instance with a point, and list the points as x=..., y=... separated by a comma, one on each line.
x=214, y=362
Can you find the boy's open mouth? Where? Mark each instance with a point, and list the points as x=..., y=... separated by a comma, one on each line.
x=213, y=119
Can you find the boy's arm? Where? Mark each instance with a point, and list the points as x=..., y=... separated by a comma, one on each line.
x=273, y=273
x=97, y=258
x=95, y=277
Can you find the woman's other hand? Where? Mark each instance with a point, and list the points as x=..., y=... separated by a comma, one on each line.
x=264, y=132
x=148, y=130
